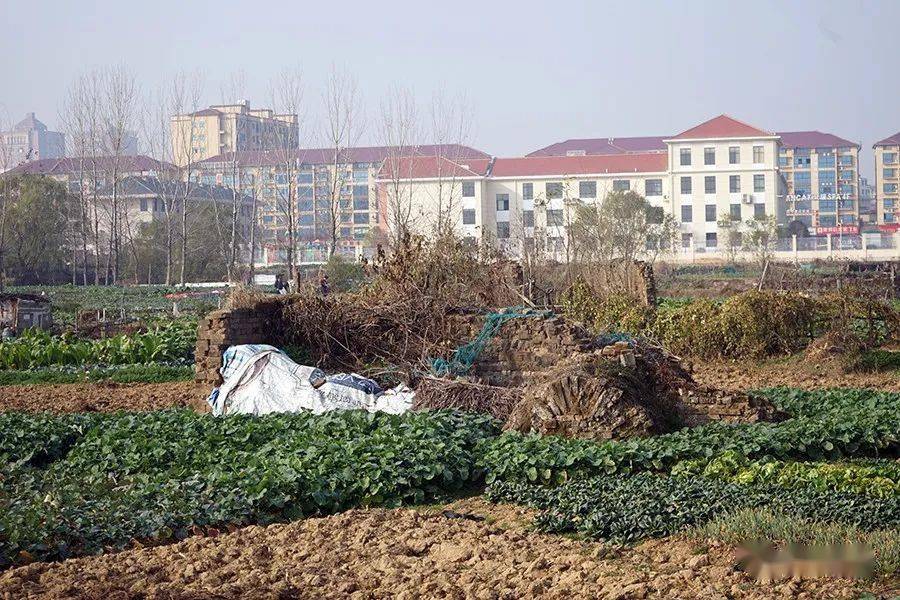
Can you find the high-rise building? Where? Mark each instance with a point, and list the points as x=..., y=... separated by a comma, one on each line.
x=887, y=181
x=29, y=140
x=868, y=209
x=225, y=128
x=821, y=172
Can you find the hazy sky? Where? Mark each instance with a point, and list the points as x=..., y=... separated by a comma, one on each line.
x=535, y=72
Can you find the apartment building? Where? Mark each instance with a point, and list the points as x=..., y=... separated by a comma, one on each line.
x=305, y=178
x=720, y=168
x=521, y=203
x=90, y=173
x=821, y=173
x=887, y=181
x=29, y=140
x=226, y=128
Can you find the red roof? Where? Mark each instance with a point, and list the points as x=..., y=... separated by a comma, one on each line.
x=137, y=163
x=894, y=140
x=722, y=126
x=604, y=146
x=324, y=156
x=432, y=167
x=813, y=139
x=532, y=166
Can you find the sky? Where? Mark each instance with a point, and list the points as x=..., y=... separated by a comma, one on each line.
x=533, y=72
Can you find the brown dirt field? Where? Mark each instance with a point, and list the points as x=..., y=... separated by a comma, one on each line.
x=410, y=554
x=796, y=371
x=102, y=397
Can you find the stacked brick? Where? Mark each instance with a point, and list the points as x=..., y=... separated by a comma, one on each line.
x=216, y=332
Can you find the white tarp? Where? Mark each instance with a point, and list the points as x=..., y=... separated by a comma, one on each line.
x=262, y=379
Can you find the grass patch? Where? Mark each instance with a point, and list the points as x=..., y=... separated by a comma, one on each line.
x=765, y=524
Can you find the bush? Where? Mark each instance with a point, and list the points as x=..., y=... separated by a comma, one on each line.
x=617, y=313
x=75, y=485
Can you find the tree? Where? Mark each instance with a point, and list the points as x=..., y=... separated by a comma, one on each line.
x=342, y=130
x=760, y=238
x=623, y=226
x=450, y=122
x=35, y=227
x=399, y=131
x=732, y=235
x=288, y=91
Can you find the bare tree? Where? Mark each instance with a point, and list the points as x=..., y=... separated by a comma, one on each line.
x=343, y=126
x=119, y=112
x=287, y=92
x=399, y=130
x=450, y=123
x=6, y=162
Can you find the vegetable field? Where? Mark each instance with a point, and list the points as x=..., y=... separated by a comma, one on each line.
x=84, y=483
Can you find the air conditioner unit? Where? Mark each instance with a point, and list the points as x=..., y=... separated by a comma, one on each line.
x=747, y=198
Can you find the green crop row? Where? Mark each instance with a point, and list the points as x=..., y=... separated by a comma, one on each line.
x=147, y=373
x=628, y=509
x=829, y=425
x=876, y=478
x=35, y=348
x=78, y=484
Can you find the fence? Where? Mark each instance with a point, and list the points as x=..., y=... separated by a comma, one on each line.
x=868, y=246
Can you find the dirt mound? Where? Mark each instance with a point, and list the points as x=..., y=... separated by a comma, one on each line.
x=102, y=397
x=475, y=550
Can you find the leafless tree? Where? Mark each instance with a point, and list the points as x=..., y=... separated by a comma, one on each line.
x=399, y=130
x=450, y=124
x=343, y=126
x=119, y=111
x=6, y=162
x=287, y=92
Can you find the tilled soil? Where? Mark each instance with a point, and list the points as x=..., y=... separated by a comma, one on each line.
x=799, y=372
x=407, y=554
x=102, y=397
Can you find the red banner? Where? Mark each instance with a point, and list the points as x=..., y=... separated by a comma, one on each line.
x=839, y=230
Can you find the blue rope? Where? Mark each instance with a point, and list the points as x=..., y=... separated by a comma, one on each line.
x=465, y=356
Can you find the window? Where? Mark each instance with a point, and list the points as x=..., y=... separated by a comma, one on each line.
x=360, y=218
x=527, y=191
x=846, y=219
x=734, y=184
x=734, y=155
x=709, y=156
x=554, y=218
x=710, y=213
x=827, y=206
x=143, y=205
x=307, y=219
x=621, y=185
x=587, y=189
x=468, y=216
x=735, y=212
x=685, y=185
x=827, y=220
x=759, y=155
x=502, y=202
x=527, y=218
x=890, y=188
x=759, y=211
x=709, y=184
x=826, y=160
x=685, y=240
x=802, y=184
x=889, y=173
x=360, y=204
x=846, y=160
x=653, y=187
x=888, y=217
x=889, y=158
x=305, y=204
x=360, y=191
x=685, y=157
x=826, y=182
x=687, y=213
x=468, y=189
x=759, y=183
x=712, y=240
x=553, y=189
x=783, y=161
x=503, y=230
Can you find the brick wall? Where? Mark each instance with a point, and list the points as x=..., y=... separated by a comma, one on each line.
x=220, y=329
